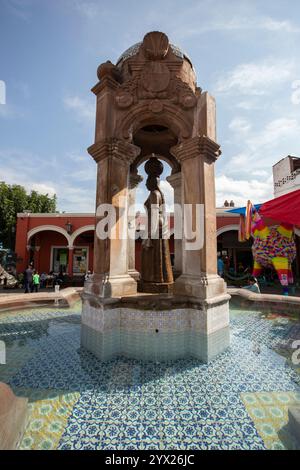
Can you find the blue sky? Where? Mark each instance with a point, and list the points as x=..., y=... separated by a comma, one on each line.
x=246, y=54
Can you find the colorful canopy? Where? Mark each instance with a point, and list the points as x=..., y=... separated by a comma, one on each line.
x=242, y=210
x=284, y=208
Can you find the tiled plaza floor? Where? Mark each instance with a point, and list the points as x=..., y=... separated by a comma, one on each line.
x=238, y=401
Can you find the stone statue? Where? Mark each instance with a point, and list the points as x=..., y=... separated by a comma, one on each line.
x=156, y=269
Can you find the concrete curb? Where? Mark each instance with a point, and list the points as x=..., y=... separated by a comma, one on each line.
x=65, y=297
x=273, y=302
x=13, y=417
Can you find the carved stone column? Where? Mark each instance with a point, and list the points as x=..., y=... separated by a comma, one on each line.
x=36, y=259
x=111, y=278
x=199, y=264
x=134, y=180
x=175, y=182
x=70, y=260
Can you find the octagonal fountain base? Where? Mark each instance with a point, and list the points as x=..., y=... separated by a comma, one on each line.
x=155, y=327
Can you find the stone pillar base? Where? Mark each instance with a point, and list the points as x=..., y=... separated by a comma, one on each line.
x=112, y=286
x=135, y=274
x=155, y=287
x=200, y=287
x=154, y=327
x=13, y=417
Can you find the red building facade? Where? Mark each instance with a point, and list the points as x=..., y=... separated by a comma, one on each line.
x=66, y=241
x=55, y=241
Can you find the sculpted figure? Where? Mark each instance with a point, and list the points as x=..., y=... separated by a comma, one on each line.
x=156, y=269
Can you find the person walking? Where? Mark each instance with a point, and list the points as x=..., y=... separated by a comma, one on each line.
x=28, y=279
x=36, y=282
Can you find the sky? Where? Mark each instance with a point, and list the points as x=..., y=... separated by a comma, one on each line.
x=245, y=53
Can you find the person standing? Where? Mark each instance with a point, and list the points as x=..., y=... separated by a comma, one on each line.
x=43, y=279
x=28, y=279
x=220, y=266
x=36, y=282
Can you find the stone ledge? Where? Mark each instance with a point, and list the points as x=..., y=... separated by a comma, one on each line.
x=65, y=297
x=13, y=417
x=273, y=301
x=294, y=422
x=149, y=301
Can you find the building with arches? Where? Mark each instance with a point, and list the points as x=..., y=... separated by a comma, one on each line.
x=44, y=240
x=54, y=242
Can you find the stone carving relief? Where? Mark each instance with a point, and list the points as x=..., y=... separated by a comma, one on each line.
x=155, y=45
x=156, y=80
x=155, y=77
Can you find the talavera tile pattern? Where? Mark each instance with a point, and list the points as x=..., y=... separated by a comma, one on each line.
x=134, y=404
x=269, y=412
x=155, y=335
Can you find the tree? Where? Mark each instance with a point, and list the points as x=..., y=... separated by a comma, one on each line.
x=14, y=199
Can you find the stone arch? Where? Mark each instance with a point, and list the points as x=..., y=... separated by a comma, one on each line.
x=42, y=228
x=141, y=116
x=79, y=231
x=227, y=228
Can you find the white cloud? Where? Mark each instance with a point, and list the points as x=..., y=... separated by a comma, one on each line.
x=216, y=15
x=22, y=88
x=76, y=157
x=168, y=192
x=2, y=93
x=295, y=98
x=271, y=24
x=74, y=193
x=20, y=8
x=240, y=160
x=43, y=189
x=256, y=78
x=240, y=190
x=85, y=174
x=225, y=20
x=260, y=148
x=254, y=23
x=260, y=173
x=8, y=111
x=274, y=132
x=89, y=10
x=73, y=198
x=251, y=104
x=240, y=125
x=84, y=110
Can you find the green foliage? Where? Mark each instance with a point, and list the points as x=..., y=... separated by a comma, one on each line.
x=14, y=199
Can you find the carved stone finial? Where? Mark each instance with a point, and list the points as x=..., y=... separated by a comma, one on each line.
x=107, y=69
x=155, y=45
x=154, y=167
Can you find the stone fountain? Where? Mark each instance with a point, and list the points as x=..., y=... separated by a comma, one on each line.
x=149, y=106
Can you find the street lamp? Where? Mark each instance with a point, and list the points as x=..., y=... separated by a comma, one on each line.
x=69, y=227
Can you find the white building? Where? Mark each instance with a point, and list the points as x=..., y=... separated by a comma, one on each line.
x=286, y=175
